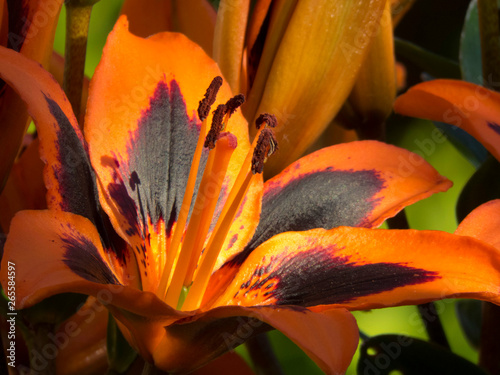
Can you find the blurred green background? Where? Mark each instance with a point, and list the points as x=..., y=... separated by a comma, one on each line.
x=425, y=26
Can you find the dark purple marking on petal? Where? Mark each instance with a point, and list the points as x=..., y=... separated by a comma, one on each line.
x=151, y=179
x=232, y=241
x=494, y=126
x=323, y=199
x=316, y=277
x=77, y=181
x=75, y=176
x=83, y=258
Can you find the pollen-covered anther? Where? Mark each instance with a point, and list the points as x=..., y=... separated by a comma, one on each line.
x=266, y=146
x=234, y=103
x=209, y=99
x=266, y=118
x=217, y=126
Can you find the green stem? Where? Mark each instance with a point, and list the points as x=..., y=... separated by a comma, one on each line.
x=262, y=355
x=77, y=28
x=490, y=42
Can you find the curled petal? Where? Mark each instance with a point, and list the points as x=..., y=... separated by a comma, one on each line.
x=68, y=175
x=483, y=223
x=330, y=338
x=465, y=105
x=33, y=38
x=59, y=252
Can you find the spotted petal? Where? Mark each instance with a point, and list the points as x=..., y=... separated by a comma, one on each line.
x=360, y=268
x=465, y=105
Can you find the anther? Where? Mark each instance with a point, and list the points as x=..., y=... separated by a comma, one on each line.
x=268, y=119
x=234, y=103
x=266, y=146
x=217, y=126
x=209, y=99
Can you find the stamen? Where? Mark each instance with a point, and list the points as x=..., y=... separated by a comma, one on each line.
x=201, y=217
x=214, y=246
x=266, y=146
x=203, y=111
x=217, y=126
x=209, y=99
x=234, y=103
x=268, y=119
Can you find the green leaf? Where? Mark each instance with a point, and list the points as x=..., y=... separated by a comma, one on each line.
x=469, y=315
x=120, y=353
x=387, y=353
x=436, y=65
x=470, y=47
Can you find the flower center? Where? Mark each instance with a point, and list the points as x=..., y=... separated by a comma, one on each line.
x=187, y=265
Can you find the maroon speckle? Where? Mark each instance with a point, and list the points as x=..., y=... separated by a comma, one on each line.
x=494, y=126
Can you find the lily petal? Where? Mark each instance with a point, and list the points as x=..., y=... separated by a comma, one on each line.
x=193, y=18
x=24, y=189
x=34, y=39
x=329, y=337
x=73, y=261
x=483, y=223
x=68, y=176
x=360, y=268
x=357, y=184
x=465, y=105
x=147, y=111
x=73, y=257
x=313, y=71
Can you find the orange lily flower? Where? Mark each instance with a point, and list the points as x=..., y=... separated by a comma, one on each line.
x=131, y=221
x=468, y=106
